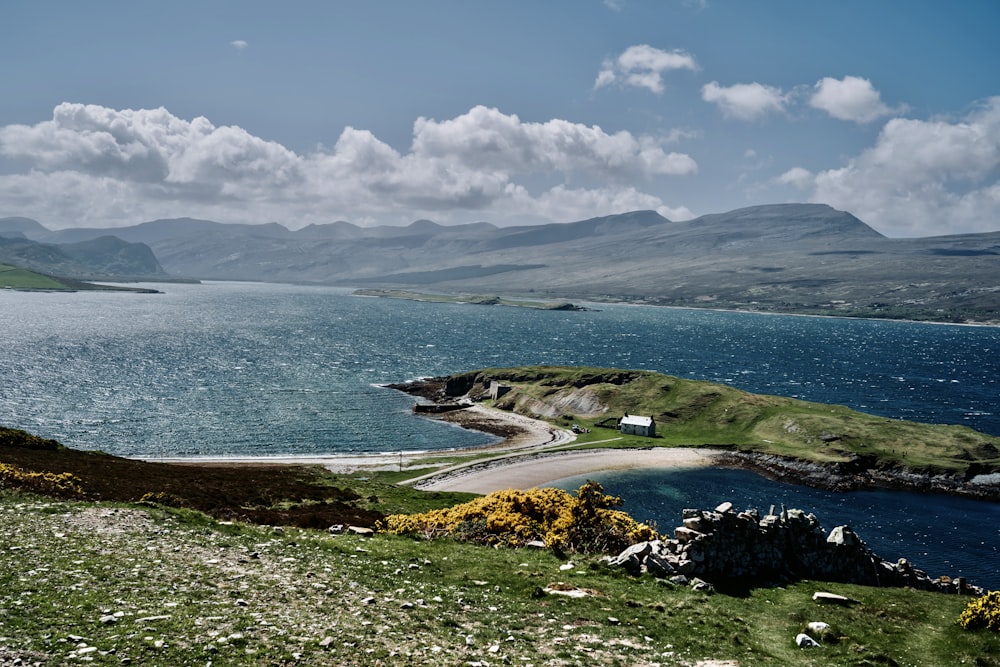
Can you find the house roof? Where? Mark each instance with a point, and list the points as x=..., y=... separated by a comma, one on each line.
x=636, y=420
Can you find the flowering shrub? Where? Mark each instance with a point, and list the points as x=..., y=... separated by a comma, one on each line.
x=583, y=522
x=49, y=483
x=983, y=612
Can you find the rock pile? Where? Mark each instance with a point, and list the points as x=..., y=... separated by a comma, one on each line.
x=726, y=546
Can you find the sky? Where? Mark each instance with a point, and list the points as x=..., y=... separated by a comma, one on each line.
x=113, y=113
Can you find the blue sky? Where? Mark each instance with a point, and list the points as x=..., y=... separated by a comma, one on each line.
x=115, y=113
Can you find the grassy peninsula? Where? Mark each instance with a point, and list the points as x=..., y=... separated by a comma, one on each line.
x=16, y=278
x=847, y=445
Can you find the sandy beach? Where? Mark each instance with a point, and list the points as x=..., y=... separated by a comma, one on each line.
x=526, y=457
x=538, y=469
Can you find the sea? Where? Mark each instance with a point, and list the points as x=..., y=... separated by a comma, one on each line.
x=253, y=369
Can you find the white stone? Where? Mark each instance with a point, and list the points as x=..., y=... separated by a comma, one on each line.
x=805, y=641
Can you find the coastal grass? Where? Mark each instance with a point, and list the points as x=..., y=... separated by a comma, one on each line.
x=705, y=414
x=135, y=584
x=17, y=278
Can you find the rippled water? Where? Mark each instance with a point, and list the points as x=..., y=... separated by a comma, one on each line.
x=248, y=369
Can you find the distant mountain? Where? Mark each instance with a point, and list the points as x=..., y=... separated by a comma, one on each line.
x=101, y=258
x=784, y=257
x=21, y=228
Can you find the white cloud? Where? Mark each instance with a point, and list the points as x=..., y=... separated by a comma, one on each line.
x=851, y=98
x=797, y=177
x=239, y=44
x=615, y=5
x=94, y=165
x=746, y=101
x=920, y=177
x=643, y=66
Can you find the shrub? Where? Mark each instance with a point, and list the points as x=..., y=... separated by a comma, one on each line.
x=584, y=522
x=163, y=498
x=12, y=437
x=62, y=484
x=983, y=612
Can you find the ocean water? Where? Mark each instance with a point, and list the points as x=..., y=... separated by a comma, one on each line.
x=245, y=369
x=257, y=369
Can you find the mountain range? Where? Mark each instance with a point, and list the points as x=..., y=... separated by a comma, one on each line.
x=806, y=258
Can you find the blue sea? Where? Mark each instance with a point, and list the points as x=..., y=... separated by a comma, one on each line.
x=245, y=369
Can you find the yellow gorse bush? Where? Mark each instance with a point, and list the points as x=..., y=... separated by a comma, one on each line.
x=581, y=522
x=983, y=612
x=50, y=483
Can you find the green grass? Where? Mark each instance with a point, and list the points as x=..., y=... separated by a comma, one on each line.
x=16, y=278
x=697, y=413
x=184, y=589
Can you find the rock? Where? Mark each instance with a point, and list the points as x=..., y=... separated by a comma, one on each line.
x=832, y=598
x=535, y=544
x=818, y=627
x=108, y=619
x=659, y=565
x=632, y=558
x=843, y=536
x=701, y=586
x=685, y=534
x=359, y=530
x=803, y=640
x=723, y=545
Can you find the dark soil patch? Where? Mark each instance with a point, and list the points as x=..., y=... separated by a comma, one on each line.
x=296, y=495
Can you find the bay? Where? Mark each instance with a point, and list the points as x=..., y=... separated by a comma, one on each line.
x=249, y=369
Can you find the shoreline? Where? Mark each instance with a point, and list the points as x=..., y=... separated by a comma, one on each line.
x=529, y=455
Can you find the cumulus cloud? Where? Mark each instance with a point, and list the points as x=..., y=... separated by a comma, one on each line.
x=746, y=101
x=920, y=177
x=95, y=165
x=851, y=98
x=239, y=44
x=797, y=177
x=643, y=66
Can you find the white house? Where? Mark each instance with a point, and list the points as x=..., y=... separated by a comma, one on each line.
x=636, y=425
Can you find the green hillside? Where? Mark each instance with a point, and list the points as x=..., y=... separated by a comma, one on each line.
x=16, y=278
x=698, y=413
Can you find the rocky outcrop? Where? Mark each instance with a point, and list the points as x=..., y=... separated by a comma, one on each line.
x=726, y=547
x=861, y=473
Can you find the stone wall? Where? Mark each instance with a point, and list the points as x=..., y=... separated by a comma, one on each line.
x=728, y=547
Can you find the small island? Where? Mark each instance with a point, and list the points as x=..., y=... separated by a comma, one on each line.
x=479, y=300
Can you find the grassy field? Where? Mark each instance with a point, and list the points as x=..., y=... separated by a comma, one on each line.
x=120, y=584
x=15, y=278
